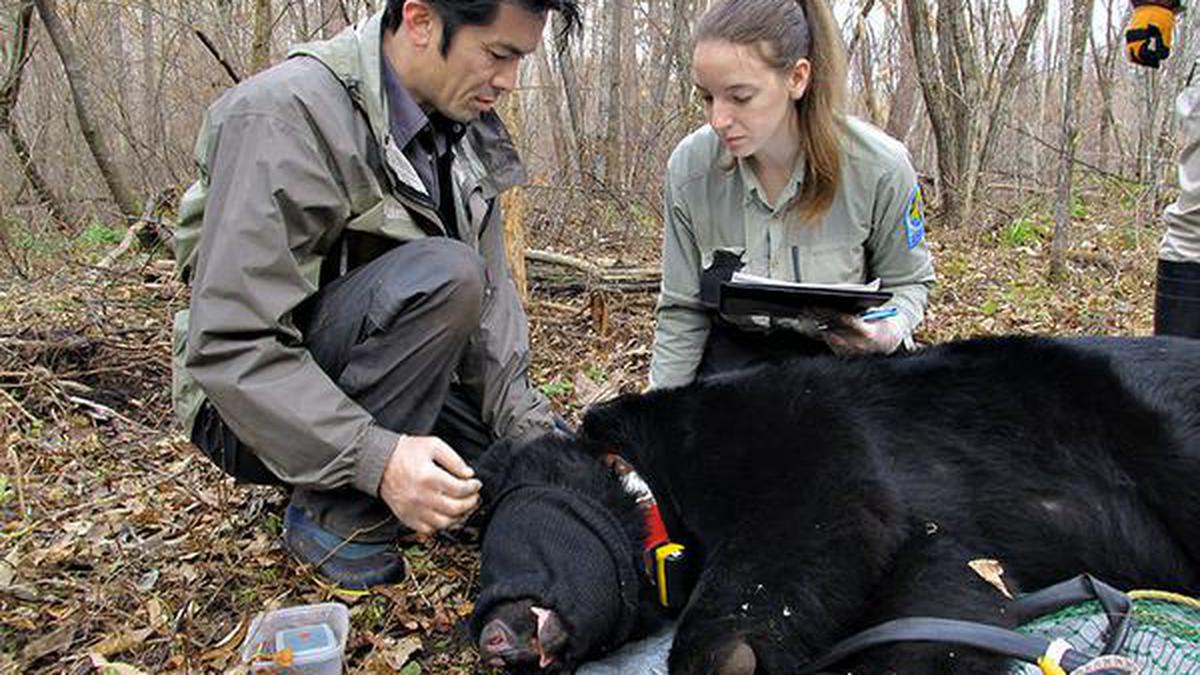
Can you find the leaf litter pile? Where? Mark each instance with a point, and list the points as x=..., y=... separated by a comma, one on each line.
x=122, y=550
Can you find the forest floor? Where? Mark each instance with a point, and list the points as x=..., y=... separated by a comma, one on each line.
x=121, y=545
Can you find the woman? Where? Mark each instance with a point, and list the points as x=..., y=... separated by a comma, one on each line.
x=781, y=183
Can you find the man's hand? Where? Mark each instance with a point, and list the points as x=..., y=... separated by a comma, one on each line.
x=1148, y=35
x=427, y=485
x=852, y=335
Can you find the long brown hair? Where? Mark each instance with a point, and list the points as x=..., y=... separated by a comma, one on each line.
x=785, y=31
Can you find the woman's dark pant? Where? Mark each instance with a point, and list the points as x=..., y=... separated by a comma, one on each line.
x=390, y=334
x=732, y=348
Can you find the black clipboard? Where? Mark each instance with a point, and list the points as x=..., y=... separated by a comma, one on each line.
x=750, y=298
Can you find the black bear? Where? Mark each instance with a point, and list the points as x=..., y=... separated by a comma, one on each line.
x=560, y=579
x=823, y=496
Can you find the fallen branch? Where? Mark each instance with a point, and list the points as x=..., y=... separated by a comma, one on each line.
x=103, y=410
x=130, y=235
x=574, y=285
x=126, y=242
x=577, y=274
x=592, y=270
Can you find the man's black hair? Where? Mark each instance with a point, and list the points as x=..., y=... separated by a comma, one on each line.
x=456, y=13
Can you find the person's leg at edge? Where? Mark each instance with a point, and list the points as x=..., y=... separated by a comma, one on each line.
x=1177, y=287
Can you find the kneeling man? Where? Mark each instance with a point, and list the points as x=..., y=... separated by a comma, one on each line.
x=354, y=331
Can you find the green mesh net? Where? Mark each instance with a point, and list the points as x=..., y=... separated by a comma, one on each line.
x=1164, y=638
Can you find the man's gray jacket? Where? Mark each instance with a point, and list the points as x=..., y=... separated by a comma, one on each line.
x=290, y=160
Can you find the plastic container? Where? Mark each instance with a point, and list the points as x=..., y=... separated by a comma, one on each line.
x=308, y=640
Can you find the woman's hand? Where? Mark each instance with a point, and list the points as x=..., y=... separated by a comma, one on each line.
x=852, y=335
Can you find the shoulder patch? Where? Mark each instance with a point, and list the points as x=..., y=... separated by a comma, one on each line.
x=914, y=218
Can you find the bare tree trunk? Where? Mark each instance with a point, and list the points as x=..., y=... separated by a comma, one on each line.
x=612, y=112
x=1001, y=96
x=965, y=131
x=936, y=93
x=866, y=68
x=1104, y=64
x=631, y=109
x=683, y=64
x=85, y=108
x=15, y=56
x=903, y=107
x=260, y=48
x=512, y=203
x=151, y=112
x=564, y=158
x=116, y=30
x=964, y=78
x=1032, y=126
x=1081, y=14
x=566, y=68
x=670, y=61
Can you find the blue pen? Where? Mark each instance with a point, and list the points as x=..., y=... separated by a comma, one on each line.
x=878, y=313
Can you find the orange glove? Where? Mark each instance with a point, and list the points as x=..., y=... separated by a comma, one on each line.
x=1148, y=35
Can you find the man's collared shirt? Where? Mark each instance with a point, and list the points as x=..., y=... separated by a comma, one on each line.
x=427, y=142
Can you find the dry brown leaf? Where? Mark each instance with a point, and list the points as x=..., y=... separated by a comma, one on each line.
x=8, y=665
x=59, y=640
x=8, y=570
x=146, y=582
x=54, y=554
x=398, y=654
x=121, y=642
x=992, y=572
x=155, y=614
x=219, y=658
x=106, y=667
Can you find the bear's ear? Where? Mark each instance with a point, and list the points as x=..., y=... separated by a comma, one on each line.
x=617, y=426
x=492, y=467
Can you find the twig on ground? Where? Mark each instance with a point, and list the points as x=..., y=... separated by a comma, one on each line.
x=126, y=242
x=19, y=481
x=558, y=307
x=105, y=410
x=417, y=585
x=20, y=408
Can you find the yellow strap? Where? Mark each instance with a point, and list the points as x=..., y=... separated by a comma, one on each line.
x=1049, y=662
x=1166, y=596
x=660, y=556
x=1050, y=667
x=346, y=594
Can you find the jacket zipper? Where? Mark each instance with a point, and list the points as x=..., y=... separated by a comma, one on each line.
x=419, y=202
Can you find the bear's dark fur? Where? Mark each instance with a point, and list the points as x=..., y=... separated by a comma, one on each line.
x=563, y=534
x=825, y=496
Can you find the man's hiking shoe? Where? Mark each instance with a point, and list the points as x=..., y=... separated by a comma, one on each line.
x=352, y=565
